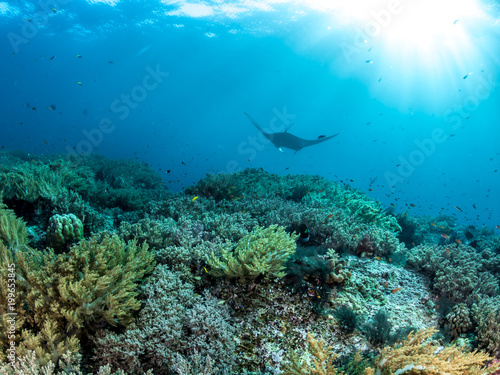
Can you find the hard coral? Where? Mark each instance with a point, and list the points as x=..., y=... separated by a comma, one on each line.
x=64, y=230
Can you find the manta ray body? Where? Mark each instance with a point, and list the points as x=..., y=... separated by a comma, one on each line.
x=287, y=140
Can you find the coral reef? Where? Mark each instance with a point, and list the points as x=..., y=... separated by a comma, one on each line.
x=61, y=298
x=173, y=322
x=322, y=360
x=458, y=320
x=263, y=252
x=415, y=357
x=13, y=230
x=63, y=231
x=251, y=267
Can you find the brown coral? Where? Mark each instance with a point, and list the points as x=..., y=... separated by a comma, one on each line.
x=414, y=357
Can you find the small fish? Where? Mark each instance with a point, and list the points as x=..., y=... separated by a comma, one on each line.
x=205, y=268
x=329, y=216
x=221, y=302
x=458, y=208
x=448, y=251
x=197, y=278
x=390, y=259
x=33, y=108
x=168, y=171
x=473, y=205
x=465, y=76
x=444, y=235
x=195, y=198
x=412, y=205
x=454, y=22
x=395, y=290
x=79, y=56
x=385, y=284
x=370, y=189
x=393, y=205
x=321, y=136
x=458, y=241
x=79, y=83
x=52, y=58
x=378, y=258
x=369, y=61
x=433, y=224
x=497, y=226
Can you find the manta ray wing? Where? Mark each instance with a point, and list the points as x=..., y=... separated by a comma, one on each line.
x=306, y=142
x=288, y=140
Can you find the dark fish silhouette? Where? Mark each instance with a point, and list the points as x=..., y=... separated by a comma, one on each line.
x=288, y=140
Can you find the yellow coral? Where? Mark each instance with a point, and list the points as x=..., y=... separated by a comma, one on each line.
x=322, y=358
x=416, y=358
x=262, y=252
x=12, y=229
x=58, y=297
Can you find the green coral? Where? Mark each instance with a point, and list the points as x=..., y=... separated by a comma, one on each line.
x=63, y=230
x=61, y=298
x=175, y=322
x=30, y=182
x=486, y=317
x=13, y=230
x=262, y=252
x=34, y=180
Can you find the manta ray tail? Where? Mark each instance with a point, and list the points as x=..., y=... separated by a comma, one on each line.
x=255, y=123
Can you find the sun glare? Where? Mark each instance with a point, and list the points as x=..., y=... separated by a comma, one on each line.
x=425, y=27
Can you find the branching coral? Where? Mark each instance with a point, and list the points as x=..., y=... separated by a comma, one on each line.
x=415, y=357
x=12, y=229
x=63, y=297
x=321, y=361
x=262, y=252
x=173, y=322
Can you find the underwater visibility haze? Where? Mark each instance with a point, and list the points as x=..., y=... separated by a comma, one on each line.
x=203, y=187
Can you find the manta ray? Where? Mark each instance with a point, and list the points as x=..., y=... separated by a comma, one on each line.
x=287, y=140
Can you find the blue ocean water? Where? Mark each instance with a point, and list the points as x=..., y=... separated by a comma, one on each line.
x=411, y=87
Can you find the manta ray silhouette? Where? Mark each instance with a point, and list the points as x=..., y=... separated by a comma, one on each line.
x=288, y=140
